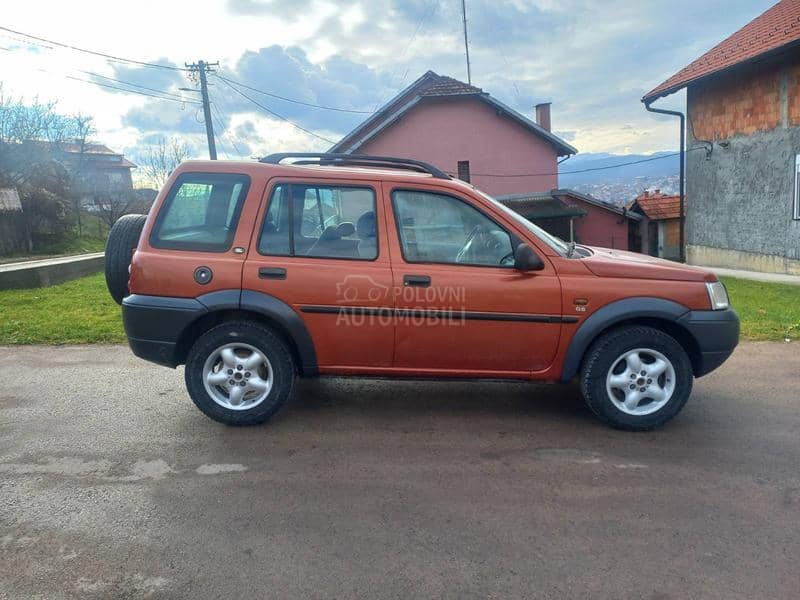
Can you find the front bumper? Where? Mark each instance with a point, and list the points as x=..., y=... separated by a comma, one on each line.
x=154, y=325
x=716, y=333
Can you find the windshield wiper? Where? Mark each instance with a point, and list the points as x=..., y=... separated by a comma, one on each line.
x=571, y=249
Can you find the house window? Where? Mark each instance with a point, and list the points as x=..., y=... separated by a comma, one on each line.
x=463, y=170
x=797, y=186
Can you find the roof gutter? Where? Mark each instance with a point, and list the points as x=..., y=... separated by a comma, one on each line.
x=682, y=176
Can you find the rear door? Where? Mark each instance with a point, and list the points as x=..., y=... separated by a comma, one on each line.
x=320, y=247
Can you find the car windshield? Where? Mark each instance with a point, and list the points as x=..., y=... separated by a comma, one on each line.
x=554, y=242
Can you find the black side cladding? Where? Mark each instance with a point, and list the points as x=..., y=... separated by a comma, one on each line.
x=155, y=324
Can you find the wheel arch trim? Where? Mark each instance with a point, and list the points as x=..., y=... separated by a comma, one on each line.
x=289, y=320
x=274, y=310
x=640, y=307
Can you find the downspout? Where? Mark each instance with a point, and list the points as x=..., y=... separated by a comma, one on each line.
x=682, y=208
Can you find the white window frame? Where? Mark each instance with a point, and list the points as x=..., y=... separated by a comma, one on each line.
x=796, y=214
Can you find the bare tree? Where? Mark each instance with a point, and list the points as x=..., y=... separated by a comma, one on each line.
x=31, y=135
x=161, y=160
x=110, y=206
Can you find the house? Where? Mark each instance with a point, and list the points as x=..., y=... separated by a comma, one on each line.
x=465, y=131
x=574, y=216
x=658, y=231
x=470, y=134
x=100, y=172
x=743, y=150
x=546, y=210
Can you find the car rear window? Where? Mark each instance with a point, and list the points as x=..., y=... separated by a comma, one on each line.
x=201, y=212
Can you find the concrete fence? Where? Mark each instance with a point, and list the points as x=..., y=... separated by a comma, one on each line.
x=40, y=273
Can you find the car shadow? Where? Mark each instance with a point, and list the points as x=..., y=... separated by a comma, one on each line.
x=384, y=398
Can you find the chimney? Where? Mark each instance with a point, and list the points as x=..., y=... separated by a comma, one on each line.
x=543, y=115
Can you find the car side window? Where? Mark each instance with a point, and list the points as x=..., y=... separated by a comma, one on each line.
x=320, y=221
x=201, y=212
x=437, y=228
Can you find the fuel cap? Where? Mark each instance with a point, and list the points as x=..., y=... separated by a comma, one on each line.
x=203, y=275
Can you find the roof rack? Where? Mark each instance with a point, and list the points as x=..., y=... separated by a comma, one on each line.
x=359, y=160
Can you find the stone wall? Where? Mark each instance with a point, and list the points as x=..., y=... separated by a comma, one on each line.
x=14, y=237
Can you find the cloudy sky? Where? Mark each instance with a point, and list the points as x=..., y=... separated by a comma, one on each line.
x=593, y=59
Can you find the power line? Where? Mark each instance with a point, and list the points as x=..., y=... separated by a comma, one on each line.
x=292, y=100
x=274, y=114
x=220, y=135
x=136, y=85
x=425, y=16
x=223, y=130
x=217, y=106
x=122, y=89
x=588, y=170
x=93, y=52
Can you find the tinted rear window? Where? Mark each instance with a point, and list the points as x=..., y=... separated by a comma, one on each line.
x=201, y=212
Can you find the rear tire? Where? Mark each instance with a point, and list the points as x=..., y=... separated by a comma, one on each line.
x=636, y=378
x=122, y=241
x=240, y=373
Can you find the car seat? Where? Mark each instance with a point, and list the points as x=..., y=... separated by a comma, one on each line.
x=366, y=230
x=332, y=243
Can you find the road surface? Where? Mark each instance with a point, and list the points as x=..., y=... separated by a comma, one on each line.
x=114, y=485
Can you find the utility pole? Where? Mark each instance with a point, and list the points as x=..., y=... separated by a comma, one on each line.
x=466, y=39
x=201, y=68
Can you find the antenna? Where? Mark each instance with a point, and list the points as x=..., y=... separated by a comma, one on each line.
x=466, y=39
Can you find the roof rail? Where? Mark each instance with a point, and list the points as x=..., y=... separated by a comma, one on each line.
x=360, y=160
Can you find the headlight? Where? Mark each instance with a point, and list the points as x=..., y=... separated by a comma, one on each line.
x=718, y=295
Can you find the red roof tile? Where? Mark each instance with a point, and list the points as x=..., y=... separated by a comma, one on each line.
x=657, y=206
x=777, y=27
x=442, y=85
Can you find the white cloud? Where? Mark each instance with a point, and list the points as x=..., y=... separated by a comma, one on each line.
x=594, y=60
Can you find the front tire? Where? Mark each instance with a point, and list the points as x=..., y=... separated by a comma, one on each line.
x=240, y=373
x=636, y=378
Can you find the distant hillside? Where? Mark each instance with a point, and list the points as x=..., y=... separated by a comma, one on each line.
x=598, y=174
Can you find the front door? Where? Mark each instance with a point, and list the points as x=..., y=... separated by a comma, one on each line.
x=461, y=306
x=321, y=249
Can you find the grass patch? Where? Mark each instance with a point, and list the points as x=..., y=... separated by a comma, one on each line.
x=75, y=312
x=768, y=311
x=82, y=311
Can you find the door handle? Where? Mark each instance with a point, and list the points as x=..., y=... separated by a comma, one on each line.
x=417, y=280
x=271, y=273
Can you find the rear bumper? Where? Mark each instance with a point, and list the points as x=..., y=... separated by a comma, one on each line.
x=154, y=325
x=716, y=333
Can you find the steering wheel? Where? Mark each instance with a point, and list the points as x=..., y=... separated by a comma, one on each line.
x=487, y=242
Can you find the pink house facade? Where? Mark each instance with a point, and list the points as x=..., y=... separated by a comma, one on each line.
x=464, y=131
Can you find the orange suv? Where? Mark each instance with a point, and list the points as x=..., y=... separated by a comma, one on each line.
x=251, y=274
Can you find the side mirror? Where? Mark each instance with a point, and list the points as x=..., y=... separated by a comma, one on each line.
x=525, y=259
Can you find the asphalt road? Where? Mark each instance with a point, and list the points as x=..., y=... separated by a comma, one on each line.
x=112, y=484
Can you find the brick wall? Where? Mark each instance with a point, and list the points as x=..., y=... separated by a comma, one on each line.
x=672, y=232
x=793, y=91
x=758, y=97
